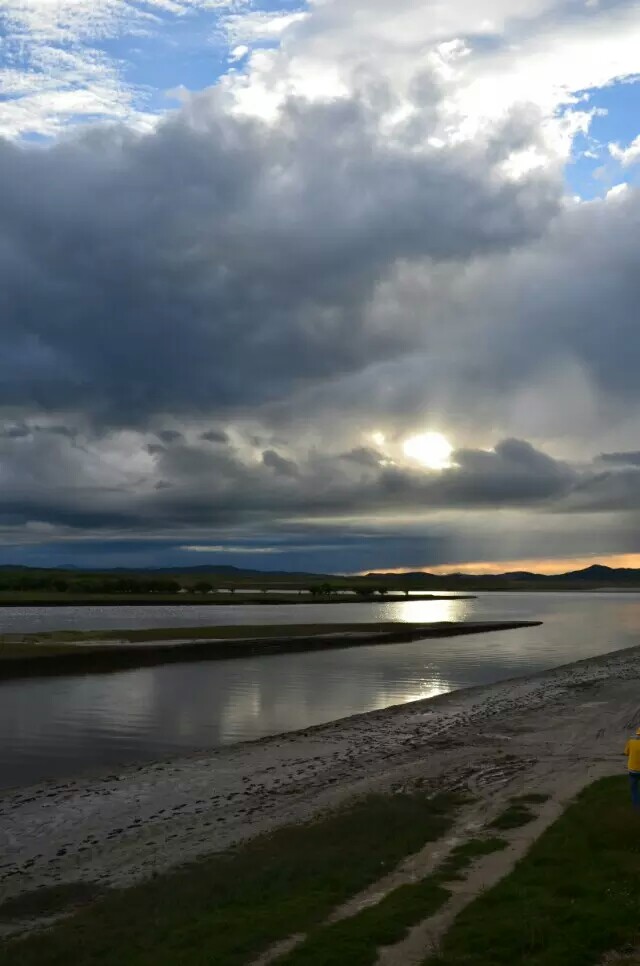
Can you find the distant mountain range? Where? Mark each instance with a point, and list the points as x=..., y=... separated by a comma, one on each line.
x=595, y=576
x=222, y=570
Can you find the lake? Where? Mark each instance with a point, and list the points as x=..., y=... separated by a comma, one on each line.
x=62, y=727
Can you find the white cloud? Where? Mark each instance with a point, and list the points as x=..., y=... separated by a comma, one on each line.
x=530, y=55
x=617, y=190
x=488, y=60
x=261, y=25
x=626, y=156
x=54, y=72
x=238, y=53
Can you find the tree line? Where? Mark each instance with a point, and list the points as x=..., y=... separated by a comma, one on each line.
x=56, y=583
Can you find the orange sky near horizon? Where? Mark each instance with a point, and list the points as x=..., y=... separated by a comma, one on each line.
x=538, y=565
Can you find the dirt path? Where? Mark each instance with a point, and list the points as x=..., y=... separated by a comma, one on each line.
x=549, y=733
x=424, y=938
x=565, y=767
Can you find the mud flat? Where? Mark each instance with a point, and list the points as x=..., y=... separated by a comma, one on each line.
x=42, y=655
x=553, y=732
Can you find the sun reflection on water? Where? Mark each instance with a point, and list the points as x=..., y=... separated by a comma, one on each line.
x=427, y=611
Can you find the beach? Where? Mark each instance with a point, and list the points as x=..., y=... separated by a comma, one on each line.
x=553, y=732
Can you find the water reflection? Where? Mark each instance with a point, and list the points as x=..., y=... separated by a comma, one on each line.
x=425, y=611
x=61, y=726
x=39, y=619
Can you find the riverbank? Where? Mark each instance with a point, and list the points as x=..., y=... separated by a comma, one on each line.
x=57, y=653
x=552, y=732
x=215, y=599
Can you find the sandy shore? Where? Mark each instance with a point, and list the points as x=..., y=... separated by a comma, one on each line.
x=551, y=732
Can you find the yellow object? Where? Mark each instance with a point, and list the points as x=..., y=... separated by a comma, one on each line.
x=632, y=751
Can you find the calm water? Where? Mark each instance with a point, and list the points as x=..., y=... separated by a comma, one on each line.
x=58, y=727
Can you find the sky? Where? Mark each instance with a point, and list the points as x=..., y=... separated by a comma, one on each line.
x=332, y=286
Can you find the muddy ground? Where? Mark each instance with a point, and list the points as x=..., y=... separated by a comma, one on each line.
x=550, y=733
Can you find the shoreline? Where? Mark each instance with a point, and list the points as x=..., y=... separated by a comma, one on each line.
x=96, y=655
x=220, y=599
x=550, y=730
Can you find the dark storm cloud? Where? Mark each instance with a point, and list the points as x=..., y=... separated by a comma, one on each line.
x=190, y=276
x=558, y=316
x=279, y=465
x=617, y=491
x=219, y=261
x=15, y=432
x=540, y=342
x=192, y=486
x=23, y=431
x=513, y=474
x=621, y=459
x=215, y=436
x=362, y=455
x=169, y=435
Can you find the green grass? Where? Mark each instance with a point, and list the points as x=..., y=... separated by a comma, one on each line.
x=515, y=815
x=49, y=901
x=228, y=908
x=458, y=861
x=355, y=941
x=573, y=899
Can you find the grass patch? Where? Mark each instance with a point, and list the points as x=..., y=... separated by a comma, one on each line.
x=49, y=901
x=215, y=632
x=459, y=860
x=355, y=941
x=515, y=815
x=85, y=652
x=226, y=909
x=571, y=901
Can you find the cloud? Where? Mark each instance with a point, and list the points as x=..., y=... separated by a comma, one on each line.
x=361, y=229
x=229, y=248
x=626, y=156
x=169, y=436
x=623, y=459
x=215, y=436
x=113, y=483
x=222, y=548
x=279, y=465
x=59, y=66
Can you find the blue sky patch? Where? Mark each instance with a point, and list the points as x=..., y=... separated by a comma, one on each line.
x=593, y=171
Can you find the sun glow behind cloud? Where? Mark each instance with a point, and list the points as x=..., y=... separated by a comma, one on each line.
x=433, y=450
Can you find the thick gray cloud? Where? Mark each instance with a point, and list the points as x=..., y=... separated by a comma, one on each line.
x=195, y=485
x=215, y=436
x=220, y=261
x=279, y=465
x=621, y=459
x=307, y=283
x=540, y=342
x=353, y=505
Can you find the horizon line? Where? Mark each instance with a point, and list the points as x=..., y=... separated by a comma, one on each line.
x=541, y=566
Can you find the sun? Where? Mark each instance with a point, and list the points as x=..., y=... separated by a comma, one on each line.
x=431, y=449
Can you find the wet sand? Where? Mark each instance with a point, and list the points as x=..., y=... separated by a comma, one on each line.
x=554, y=731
